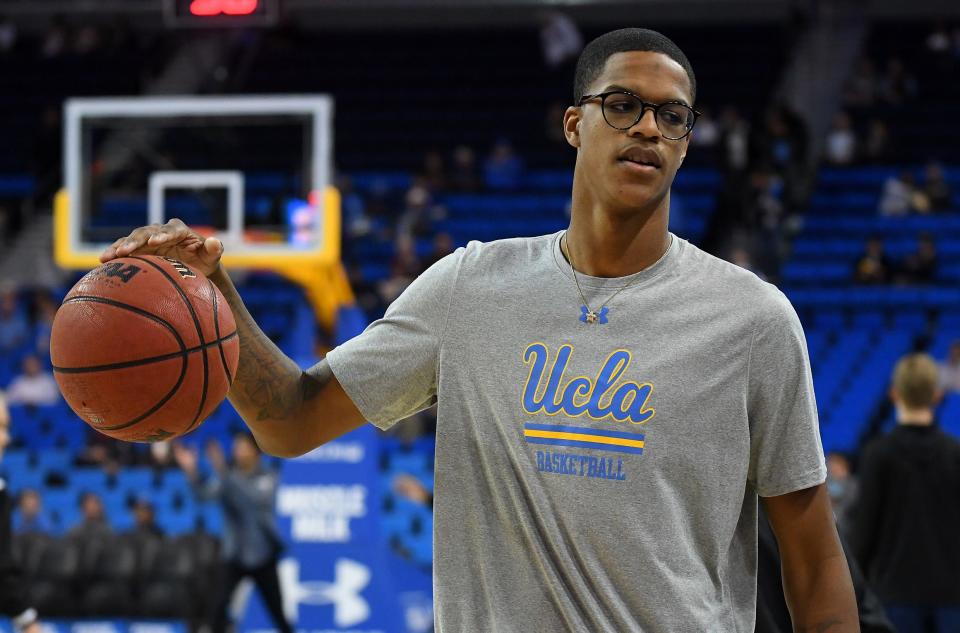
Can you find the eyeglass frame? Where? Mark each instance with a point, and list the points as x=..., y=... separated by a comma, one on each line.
x=644, y=106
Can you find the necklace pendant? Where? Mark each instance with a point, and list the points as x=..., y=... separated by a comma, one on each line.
x=589, y=316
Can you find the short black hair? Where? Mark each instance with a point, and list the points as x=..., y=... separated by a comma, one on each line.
x=595, y=55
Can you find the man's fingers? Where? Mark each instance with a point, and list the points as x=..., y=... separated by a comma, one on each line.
x=213, y=246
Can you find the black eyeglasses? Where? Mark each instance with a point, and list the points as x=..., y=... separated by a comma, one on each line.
x=622, y=110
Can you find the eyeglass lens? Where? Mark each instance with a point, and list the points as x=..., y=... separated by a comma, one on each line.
x=622, y=111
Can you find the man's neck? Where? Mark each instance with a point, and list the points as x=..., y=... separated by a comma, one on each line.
x=915, y=417
x=604, y=244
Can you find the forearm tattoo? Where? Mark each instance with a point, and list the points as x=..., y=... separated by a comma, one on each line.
x=268, y=385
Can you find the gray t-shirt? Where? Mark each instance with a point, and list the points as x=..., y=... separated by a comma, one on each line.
x=594, y=477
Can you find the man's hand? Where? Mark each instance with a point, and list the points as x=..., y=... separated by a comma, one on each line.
x=186, y=459
x=289, y=411
x=215, y=456
x=409, y=487
x=173, y=239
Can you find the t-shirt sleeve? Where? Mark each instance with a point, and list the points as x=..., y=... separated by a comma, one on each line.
x=786, y=453
x=390, y=369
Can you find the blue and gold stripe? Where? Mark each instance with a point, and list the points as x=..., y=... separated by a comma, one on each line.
x=583, y=437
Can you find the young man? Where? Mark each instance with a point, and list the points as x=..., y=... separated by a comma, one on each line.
x=905, y=525
x=611, y=399
x=13, y=599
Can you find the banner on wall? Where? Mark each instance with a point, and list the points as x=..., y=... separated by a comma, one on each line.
x=335, y=575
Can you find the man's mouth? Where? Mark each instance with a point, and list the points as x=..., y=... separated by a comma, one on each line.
x=641, y=158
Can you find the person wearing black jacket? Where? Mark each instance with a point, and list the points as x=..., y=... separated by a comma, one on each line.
x=773, y=615
x=904, y=527
x=12, y=599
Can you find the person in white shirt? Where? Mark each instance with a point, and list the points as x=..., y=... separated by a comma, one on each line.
x=34, y=386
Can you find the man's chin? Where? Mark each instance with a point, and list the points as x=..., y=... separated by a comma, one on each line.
x=634, y=198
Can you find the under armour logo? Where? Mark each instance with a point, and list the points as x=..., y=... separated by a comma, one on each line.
x=350, y=578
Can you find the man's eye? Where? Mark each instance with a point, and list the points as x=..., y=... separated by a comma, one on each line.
x=622, y=106
x=672, y=117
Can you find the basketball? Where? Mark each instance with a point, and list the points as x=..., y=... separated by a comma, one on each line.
x=144, y=348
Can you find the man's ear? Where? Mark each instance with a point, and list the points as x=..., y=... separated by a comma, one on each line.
x=894, y=398
x=571, y=126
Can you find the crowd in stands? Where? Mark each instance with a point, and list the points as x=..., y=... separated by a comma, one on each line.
x=918, y=268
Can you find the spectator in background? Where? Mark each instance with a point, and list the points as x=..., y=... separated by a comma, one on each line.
x=8, y=34
x=920, y=267
x=553, y=122
x=419, y=213
x=938, y=42
x=14, y=329
x=949, y=370
x=252, y=545
x=708, y=130
x=742, y=258
x=160, y=455
x=442, y=246
x=55, y=39
x=503, y=169
x=861, y=89
x=937, y=189
x=404, y=268
x=355, y=219
x=560, y=38
x=93, y=522
x=13, y=595
x=144, y=519
x=46, y=311
x=842, y=487
x=876, y=147
x=734, y=141
x=29, y=516
x=900, y=196
x=463, y=176
x=897, y=85
x=905, y=525
x=841, y=146
x=434, y=175
x=87, y=40
x=873, y=267
x=34, y=386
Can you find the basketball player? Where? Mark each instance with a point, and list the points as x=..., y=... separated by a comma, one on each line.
x=612, y=400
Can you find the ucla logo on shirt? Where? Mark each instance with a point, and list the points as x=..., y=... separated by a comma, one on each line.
x=608, y=395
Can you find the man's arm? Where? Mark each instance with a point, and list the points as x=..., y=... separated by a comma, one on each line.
x=289, y=411
x=816, y=579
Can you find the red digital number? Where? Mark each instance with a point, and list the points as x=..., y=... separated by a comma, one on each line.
x=227, y=7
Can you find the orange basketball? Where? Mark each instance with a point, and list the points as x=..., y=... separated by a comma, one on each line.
x=144, y=348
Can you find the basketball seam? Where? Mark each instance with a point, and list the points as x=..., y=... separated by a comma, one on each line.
x=176, y=335
x=196, y=324
x=143, y=361
x=216, y=331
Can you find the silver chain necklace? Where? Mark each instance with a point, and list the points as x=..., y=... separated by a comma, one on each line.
x=586, y=314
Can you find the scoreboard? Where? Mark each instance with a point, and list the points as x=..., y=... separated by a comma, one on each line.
x=221, y=13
